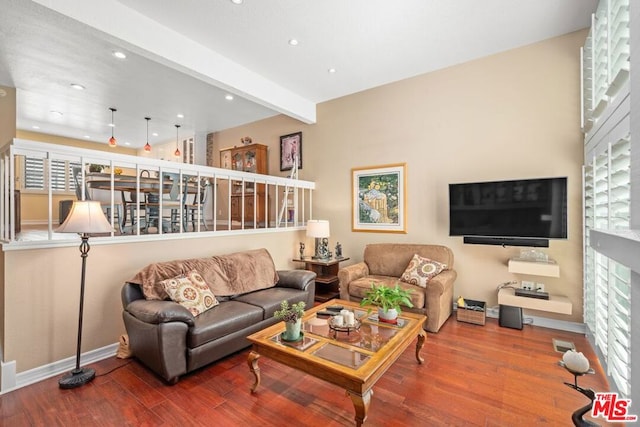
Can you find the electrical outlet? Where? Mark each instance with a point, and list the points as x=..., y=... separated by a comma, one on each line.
x=540, y=287
x=529, y=286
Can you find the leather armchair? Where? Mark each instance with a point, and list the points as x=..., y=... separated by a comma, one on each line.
x=384, y=263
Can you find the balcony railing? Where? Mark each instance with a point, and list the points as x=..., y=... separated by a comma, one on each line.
x=142, y=198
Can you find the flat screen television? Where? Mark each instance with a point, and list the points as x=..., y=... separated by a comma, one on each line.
x=518, y=209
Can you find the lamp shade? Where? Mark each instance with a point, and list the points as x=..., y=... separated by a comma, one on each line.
x=318, y=228
x=85, y=217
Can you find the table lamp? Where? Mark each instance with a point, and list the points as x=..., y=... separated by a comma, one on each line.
x=84, y=218
x=319, y=228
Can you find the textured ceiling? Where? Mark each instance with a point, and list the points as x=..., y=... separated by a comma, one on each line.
x=184, y=57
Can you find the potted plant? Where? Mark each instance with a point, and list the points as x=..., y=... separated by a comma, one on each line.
x=388, y=300
x=95, y=167
x=292, y=317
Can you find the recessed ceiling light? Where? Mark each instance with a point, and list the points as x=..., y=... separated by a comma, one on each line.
x=229, y=97
x=111, y=125
x=155, y=134
x=127, y=143
x=87, y=137
x=119, y=55
x=180, y=116
x=237, y=1
x=331, y=70
x=293, y=42
x=77, y=86
x=56, y=113
x=35, y=127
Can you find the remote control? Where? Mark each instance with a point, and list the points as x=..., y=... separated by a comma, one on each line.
x=325, y=313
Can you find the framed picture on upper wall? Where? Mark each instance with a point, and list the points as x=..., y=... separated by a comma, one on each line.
x=290, y=149
x=379, y=198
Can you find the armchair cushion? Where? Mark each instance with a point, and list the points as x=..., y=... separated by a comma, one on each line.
x=359, y=287
x=420, y=270
x=191, y=292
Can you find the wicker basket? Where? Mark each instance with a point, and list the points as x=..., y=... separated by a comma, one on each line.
x=469, y=315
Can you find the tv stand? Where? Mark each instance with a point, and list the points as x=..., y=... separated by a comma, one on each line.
x=506, y=241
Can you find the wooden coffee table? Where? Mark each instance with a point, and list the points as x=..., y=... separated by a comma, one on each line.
x=353, y=360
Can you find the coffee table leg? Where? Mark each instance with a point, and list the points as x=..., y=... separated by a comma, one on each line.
x=252, y=361
x=361, y=404
x=422, y=336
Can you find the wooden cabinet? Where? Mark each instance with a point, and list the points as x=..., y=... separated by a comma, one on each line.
x=249, y=204
x=327, y=282
x=248, y=158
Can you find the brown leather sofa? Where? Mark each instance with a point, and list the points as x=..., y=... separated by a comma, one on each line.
x=384, y=263
x=170, y=341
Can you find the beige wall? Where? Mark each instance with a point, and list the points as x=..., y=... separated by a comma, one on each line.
x=43, y=288
x=7, y=133
x=507, y=116
x=512, y=115
x=7, y=114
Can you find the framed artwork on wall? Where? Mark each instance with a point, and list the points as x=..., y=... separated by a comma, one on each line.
x=290, y=148
x=379, y=198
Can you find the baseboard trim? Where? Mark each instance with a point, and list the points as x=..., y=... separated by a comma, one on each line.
x=543, y=322
x=562, y=325
x=12, y=381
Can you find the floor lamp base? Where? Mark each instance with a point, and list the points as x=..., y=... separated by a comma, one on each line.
x=77, y=377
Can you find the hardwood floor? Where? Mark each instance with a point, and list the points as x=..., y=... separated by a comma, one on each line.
x=472, y=376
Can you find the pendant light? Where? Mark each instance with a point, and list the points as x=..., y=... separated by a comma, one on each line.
x=147, y=146
x=112, y=140
x=177, y=152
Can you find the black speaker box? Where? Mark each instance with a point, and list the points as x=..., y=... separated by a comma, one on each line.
x=510, y=317
x=506, y=241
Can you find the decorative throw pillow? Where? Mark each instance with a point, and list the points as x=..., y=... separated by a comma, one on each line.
x=420, y=270
x=191, y=292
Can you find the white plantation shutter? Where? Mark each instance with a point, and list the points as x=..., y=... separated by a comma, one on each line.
x=605, y=66
x=35, y=174
x=58, y=179
x=607, y=291
x=619, y=338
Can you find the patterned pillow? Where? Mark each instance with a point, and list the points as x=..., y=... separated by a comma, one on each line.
x=191, y=292
x=420, y=270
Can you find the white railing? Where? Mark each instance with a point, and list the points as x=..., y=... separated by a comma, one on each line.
x=235, y=201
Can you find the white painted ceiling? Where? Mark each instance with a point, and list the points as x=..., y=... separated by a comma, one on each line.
x=185, y=56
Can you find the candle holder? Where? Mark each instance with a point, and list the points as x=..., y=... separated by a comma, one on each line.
x=343, y=328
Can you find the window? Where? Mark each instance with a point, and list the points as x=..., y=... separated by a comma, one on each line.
x=35, y=175
x=607, y=291
x=607, y=185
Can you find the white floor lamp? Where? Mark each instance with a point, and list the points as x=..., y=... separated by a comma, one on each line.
x=85, y=217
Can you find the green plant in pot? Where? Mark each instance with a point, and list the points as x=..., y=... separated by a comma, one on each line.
x=292, y=317
x=388, y=300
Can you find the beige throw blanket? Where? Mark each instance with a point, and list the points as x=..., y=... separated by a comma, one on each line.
x=226, y=275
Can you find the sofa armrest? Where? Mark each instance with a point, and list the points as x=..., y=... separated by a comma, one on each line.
x=439, y=299
x=296, y=279
x=156, y=312
x=441, y=282
x=350, y=273
x=130, y=292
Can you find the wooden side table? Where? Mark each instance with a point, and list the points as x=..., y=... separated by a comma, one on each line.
x=327, y=283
